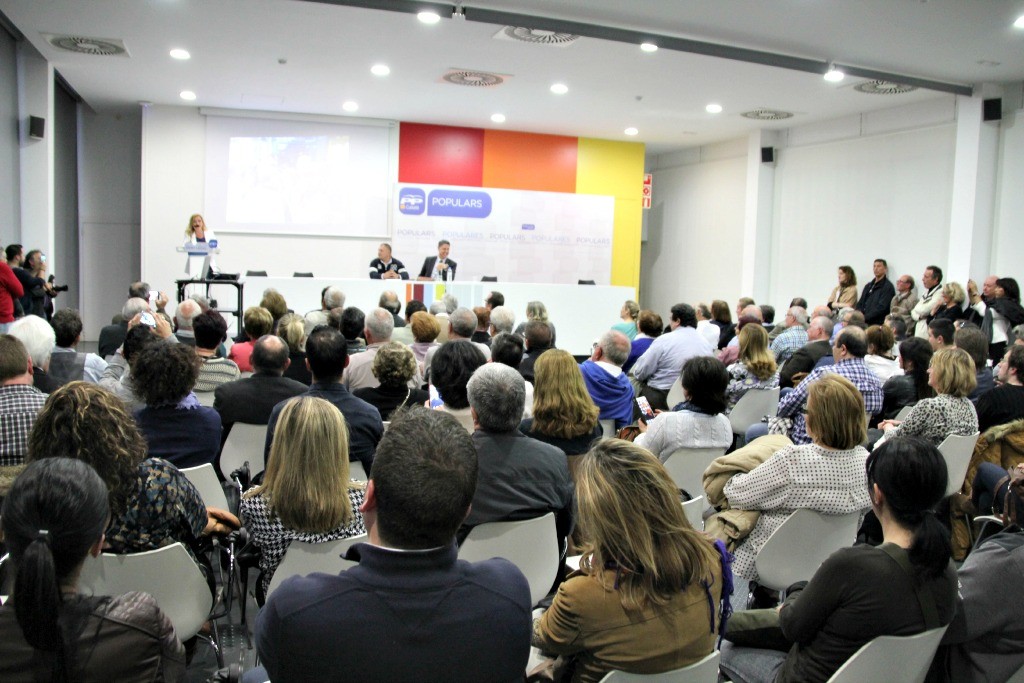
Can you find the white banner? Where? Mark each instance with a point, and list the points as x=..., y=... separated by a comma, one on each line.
x=514, y=235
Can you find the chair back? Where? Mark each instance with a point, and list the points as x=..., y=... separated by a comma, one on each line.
x=169, y=574
x=204, y=478
x=489, y=278
x=876, y=659
x=303, y=558
x=206, y=398
x=957, y=451
x=256, y=273
x=607, y=428
x=244, y=444
x=297, y=274
x=356, y=471
x=751, y=407
x=1017, y=677
x=675, y=394
x=530, y=544
x=904, y=411
x=694, y=511
x=797, y=548
x=686, y=467
x=704, y=671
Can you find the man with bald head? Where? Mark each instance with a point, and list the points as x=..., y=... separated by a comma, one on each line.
x=606, y=383
x=250, y=400
x=905, y=300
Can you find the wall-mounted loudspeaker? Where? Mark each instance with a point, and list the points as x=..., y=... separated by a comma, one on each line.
x=992, y=109
x=767, y=155
x=36, y=127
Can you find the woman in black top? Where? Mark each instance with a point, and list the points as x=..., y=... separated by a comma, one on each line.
x=394, y=365
x=910, y=387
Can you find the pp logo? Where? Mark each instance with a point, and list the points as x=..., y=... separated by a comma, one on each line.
x=412, y=201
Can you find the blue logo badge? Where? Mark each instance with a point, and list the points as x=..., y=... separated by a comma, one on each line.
x=529, y=226
x=411, y=200
x=459, y=203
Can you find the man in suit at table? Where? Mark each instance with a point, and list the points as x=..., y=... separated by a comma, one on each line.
x=439, y=267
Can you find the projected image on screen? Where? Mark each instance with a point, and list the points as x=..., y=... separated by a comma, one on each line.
x=287, y=180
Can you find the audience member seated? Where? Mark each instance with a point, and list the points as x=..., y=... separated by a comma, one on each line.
x=483, y=324
x=53, y=520
x=629, y=314
x=697, y=422
x=848, y=353
x=721, y=317
x=705, y=326
x=564, y=415
x=615, y=613
x=879, y=358
x=152, y=504
x=493, y=300
x=404, y=334
x=330, y=298
x=453, y=365
x=658, y=369
x=184, y=315
x=502, y=320
x=250, y=400
x=845, y=293
x=292, y=329
x=256, y=322
x=862, y=592
x=912, y=386
x=409, y=611
x=425, y=329
x=755, y=367
x=768, y=316
x=940, y=333
x=826, y=474
x=508, y=349
x=519, y=477
x=359, y=373
x=536, y=311
x=210, y=331
x=39, y=339
x=1005, y=403
x=306, y=494
x=461, y=326
x=904, y=300
x=176, y=427
x=20, y=402
x=393, y=366
x=275, y=303
x=649, y=326
x=605, y=380
x=899, y=330
x=795, y=336
x=390, y=303
x=327, y=357
x=112, y=336
x=950, y=303
x=117, y=377
x=538, y=340
x=353, y=322
x=731, y=353
x=951, y=375
x=971, y=339
x=876, y=297
x=67, y=364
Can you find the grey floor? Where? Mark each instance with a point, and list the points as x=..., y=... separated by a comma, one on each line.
x=232, y=641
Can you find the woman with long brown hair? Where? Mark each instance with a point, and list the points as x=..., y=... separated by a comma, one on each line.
x=755, y=368
x=564, y=415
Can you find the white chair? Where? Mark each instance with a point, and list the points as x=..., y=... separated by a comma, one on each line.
x=686, y=467
x=675, y=394
x=904, y=411
x=356, y=471
x=704, y=671
x=957, y=451
x=882, y=657
x=169, y=574
x=751, y=407
x=205, y=398
x=797, y=548
x=1017, y=677
x=204, y=478
x=244, y=444
x=305, y=558
x=608, y=428
x=694, y=509
x=530, y=544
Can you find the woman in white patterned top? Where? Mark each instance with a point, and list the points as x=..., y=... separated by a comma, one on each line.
x=952, y=374
x=306, y=493
x=755, y=368
x=826, y=475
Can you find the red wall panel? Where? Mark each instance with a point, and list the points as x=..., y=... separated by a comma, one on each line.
x=440, y=155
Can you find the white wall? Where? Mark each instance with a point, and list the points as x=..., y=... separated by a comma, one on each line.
x=1008, y=240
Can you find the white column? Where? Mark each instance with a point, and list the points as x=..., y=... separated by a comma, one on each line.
x=757, y=222
x=35, y=98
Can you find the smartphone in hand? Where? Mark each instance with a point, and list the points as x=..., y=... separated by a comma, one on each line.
x=646, y=411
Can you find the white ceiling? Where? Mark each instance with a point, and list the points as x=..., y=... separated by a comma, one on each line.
x=236, y=46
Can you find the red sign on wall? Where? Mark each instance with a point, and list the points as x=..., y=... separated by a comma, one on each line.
x=648, y=178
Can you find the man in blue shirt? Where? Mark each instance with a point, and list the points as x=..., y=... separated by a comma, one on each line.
x=660, y=366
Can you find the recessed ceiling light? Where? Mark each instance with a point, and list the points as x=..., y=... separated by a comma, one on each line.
x=350, y=106
x=187, y=95
x=559, y=88
x=178, y=53
x=380, y=69
x=834, y=75
x=1020, y=22
x=631, y=131
x=648, y=47
x=713, y=108
x=429, y=17
x=498, y=118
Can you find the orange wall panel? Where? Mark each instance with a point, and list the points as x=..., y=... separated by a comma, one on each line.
x=528, y=161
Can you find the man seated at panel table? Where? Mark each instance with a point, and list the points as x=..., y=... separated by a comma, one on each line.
x=439, y=267
x=384, y=267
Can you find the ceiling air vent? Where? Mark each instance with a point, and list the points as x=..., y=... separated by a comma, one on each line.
x=100, y=47
x=474, y=79
x=767, y=115
x=883, y=88
x=536, y=36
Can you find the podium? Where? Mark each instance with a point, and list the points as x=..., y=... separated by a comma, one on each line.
x=199, y=257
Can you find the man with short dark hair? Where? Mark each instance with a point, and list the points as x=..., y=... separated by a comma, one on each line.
x=404, y=335
x=210, y=332
x=384, y=267
x=251, y=400
x=67, y=364
x=508, y=349
x=607, y=385
x=659, y=368
x=931, y=283
x=20, y=402
x=940, y=333
x=971, y=339
x=461, y=326
x=537, y=336
x=326, y=358
x=493, y=300
x=876, y=298
x=1005, y=403
x=409, y=611
x=353, y=322
x=439, y=267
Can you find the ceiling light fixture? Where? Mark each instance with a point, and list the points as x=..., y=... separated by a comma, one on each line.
x=713, y=108
x=648, y=47
x=1020, y=22
x=559, y=88
x=834, y=75
x=178, y=53
x=498, y=118
x=380, y=69
x=350, y=106
x=187, y=95
x=429, y=17
x=631, y=131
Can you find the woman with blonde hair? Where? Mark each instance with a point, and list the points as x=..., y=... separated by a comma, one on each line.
x=755, y=368
x=306, y=493
x=196, y=232
x=292, y=329
x=536, y=310
x=564, y=415
x=648, y=595
x=274, y=302
x=256, y=322
x=950, y=304
x=629, y=314
x=952, y=375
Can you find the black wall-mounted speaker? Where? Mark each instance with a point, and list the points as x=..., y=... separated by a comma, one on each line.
x=36, y=127
x=992, y=109
x=767, y=155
